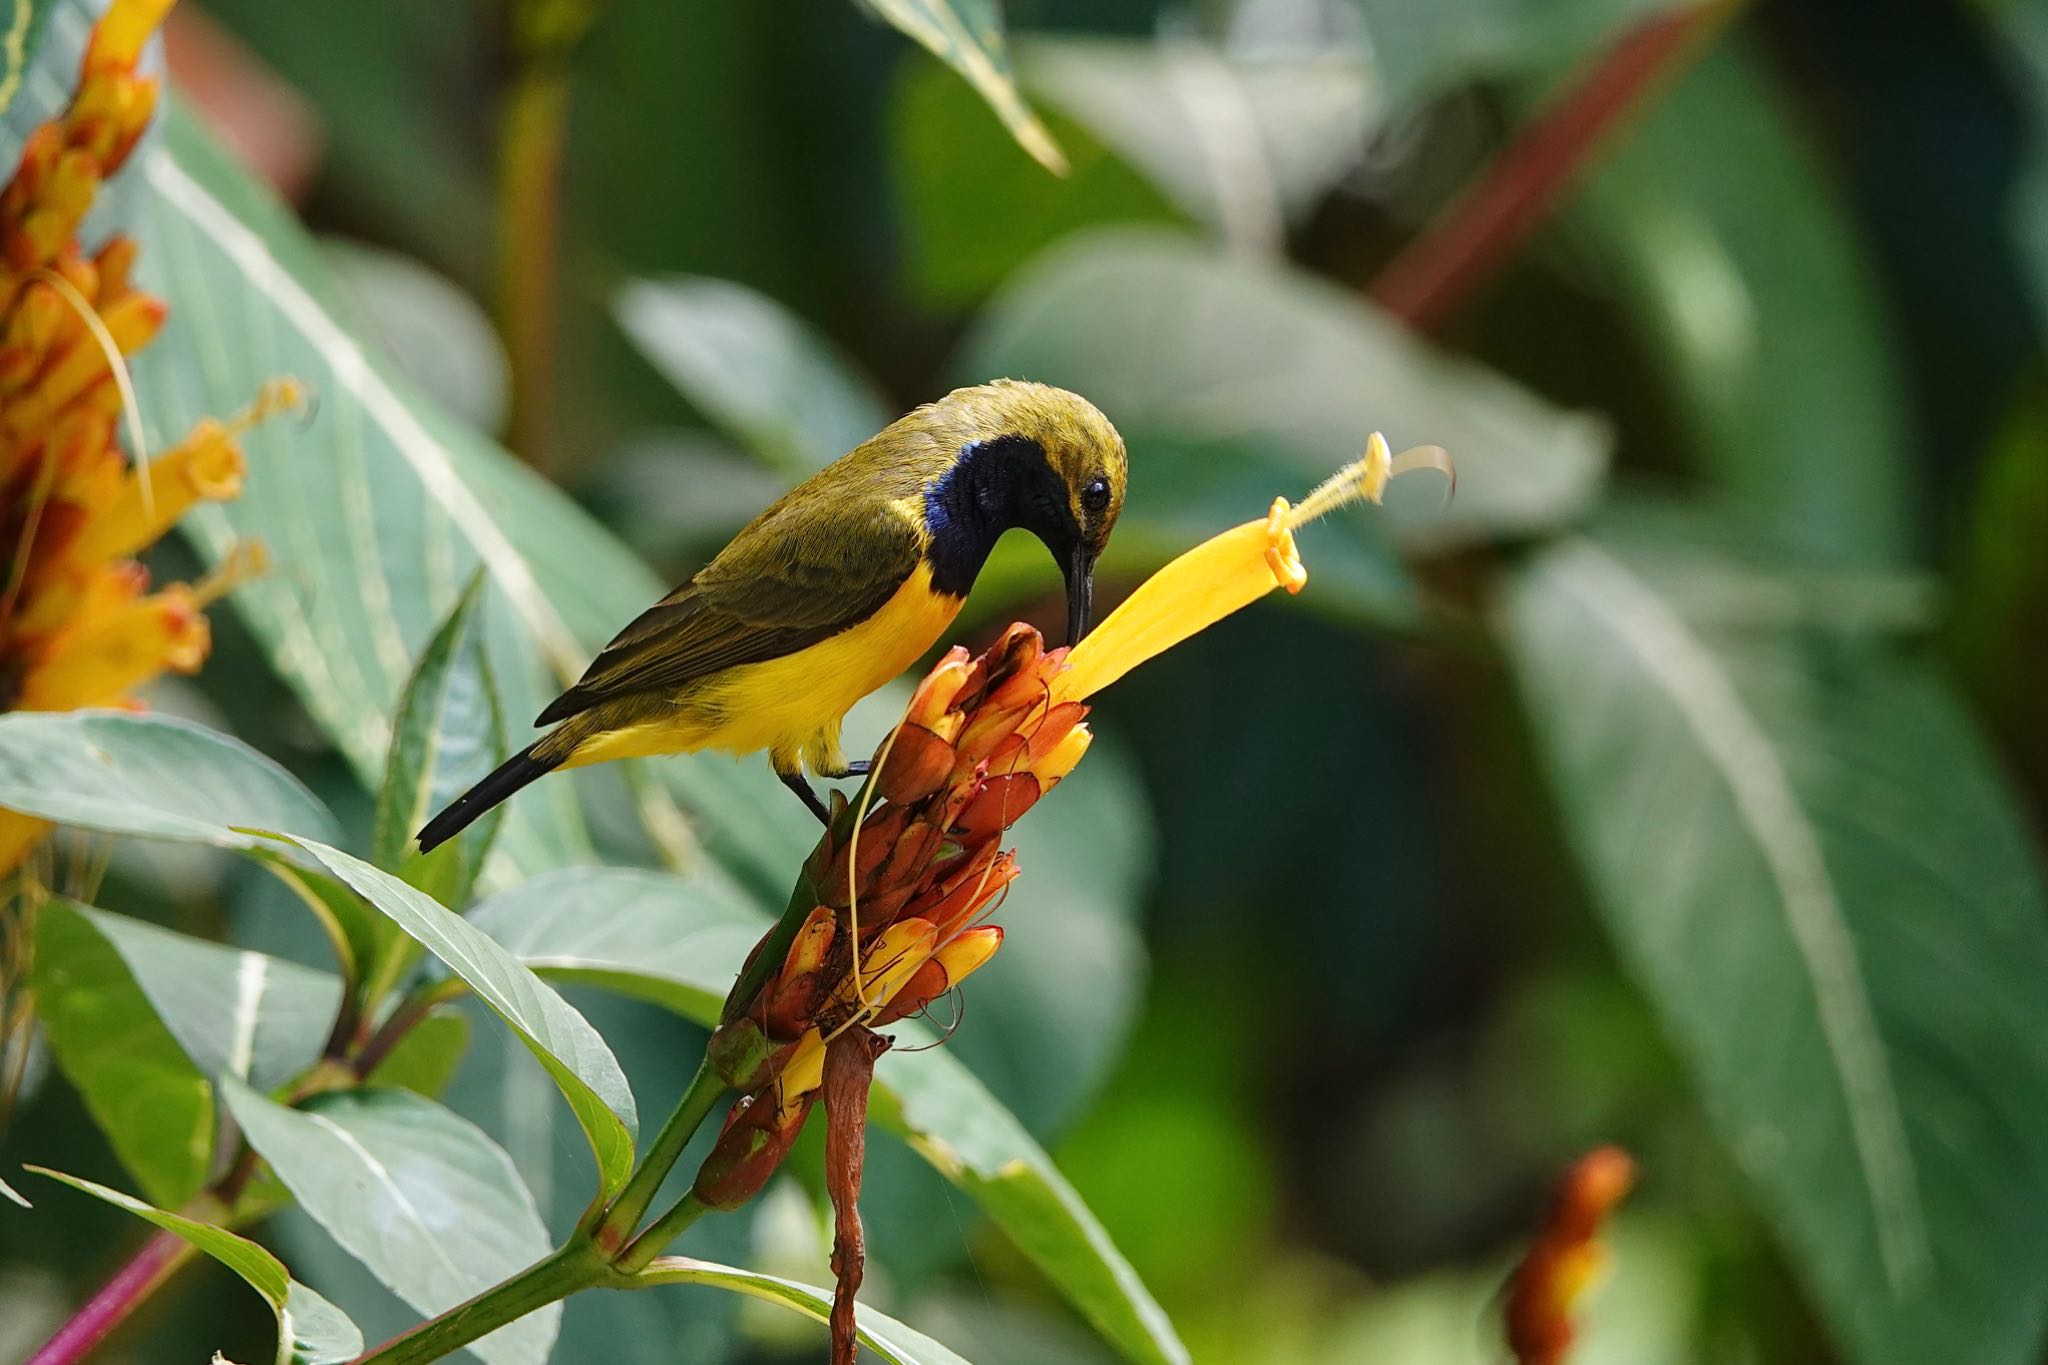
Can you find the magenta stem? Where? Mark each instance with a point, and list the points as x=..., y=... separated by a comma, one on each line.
x=117, y=1298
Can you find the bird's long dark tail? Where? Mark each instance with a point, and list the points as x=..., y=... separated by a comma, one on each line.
x=514, y=773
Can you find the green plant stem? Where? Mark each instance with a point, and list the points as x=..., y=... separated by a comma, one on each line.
x=614, y=1226
x=579, y=1265
x=661, y=1232
x=532, y=135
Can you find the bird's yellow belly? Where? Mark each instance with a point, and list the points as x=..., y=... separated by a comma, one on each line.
x=791, y=705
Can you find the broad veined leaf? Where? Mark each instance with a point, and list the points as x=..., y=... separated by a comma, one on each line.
x=582, y=1066
x=887, y=1338
x=156, y=776
x=448, y=733
x=680, y=945
x=757, y=370
x=967, y=35
x=671, y=941
x=310, y=1330
x=434, y=332
x=242, y=1014
x=379, y=507
x=145, y=1094
x=422, y=1197
x=1192, y=351
x=1809, y=861
x=1745, y=273
x=22, y=24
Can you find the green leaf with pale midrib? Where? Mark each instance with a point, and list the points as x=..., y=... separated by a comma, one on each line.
x=886, y=1337
x=235, y=1013
x=150, y=775
x=1807, y=858
x=311, y=1331
x=143, y=1092
x=680, y=944
x=1761, y=304
x=423, y=1198
x=448, y=734
x=967, y=35
x=571, y=1050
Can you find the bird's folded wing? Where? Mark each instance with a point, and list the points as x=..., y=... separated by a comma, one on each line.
x=798, y=575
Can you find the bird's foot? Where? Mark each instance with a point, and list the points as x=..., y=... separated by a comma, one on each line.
x=795, y=782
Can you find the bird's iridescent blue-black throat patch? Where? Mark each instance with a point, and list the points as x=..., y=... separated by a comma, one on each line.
x=995, y=485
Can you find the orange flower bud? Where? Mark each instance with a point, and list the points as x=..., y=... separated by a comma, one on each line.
x=758, y=1134
x=1001, y=802
x=1060, y=761
x=791, y=998
x=917, y=764
x=1565, y=1258
x=935, y=695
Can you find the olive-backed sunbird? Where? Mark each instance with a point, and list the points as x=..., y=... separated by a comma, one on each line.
x=835, y=590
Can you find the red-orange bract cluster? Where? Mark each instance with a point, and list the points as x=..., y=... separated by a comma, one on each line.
x=900, y=894
x=78, y=626
x=1565, y=1258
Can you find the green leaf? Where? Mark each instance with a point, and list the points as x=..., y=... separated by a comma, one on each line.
x=974, y=207
x=377, y=506
x=16, y=1195
x=1422, y=48
x=887, y=1338
x=967, y=35
x=651, y=935
x=1809, y=861
x=447, y=735
x=152, y=1104
x=757, y=370
x=571, y=1050
x=425, y=1059
x=310, y=1330
x=1190, y=350
x=680, y=944
x=1761, y=304
x=236, y=1013
x=150, y=775
x=423, y=1198
x=431, y=329
x=22, y=26
x=1246, y=145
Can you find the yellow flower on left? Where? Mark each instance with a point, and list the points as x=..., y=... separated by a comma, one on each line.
x=78, y=624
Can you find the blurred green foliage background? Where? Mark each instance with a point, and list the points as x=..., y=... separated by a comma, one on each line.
x=1678, y=785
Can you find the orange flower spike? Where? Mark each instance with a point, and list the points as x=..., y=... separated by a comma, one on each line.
x=789, y=1000
x=1565, y=1259
x=118, y=38
x=32, y=329
x=206, y=466
x=130, y=324
x=100, y=664
x=935, y=695
x=116, y=264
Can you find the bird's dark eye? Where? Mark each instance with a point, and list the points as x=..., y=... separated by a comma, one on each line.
x=1095, y=496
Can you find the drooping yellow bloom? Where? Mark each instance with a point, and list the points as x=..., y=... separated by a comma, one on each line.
x=78, y=626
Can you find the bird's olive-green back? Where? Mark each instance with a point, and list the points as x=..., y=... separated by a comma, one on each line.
x=829, y=553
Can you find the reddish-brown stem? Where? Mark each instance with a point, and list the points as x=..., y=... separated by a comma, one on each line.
x=849, y=1072
x=1483, y=228
x=118, y=1297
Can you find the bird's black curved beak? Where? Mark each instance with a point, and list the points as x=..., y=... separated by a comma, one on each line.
x=1080, y=570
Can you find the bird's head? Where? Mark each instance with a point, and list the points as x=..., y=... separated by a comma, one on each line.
x=1047, y=461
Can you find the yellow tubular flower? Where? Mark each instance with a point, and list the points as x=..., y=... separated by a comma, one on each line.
x=1227, y=572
